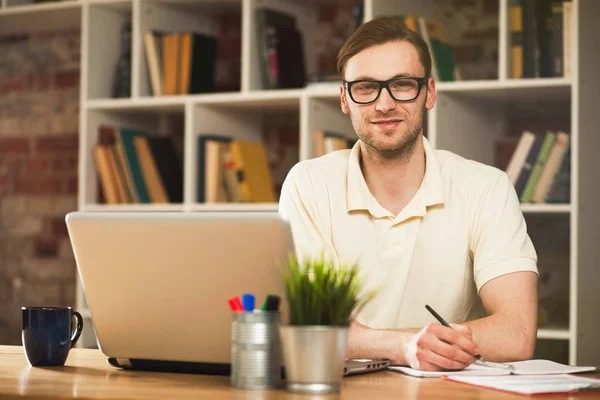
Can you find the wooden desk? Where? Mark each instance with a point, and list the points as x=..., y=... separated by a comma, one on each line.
x=88, y=375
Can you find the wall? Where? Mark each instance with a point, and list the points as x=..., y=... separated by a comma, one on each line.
x=39, y=105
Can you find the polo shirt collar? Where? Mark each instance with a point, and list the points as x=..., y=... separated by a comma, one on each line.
x=359, y=197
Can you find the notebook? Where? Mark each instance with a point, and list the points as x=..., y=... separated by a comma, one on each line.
x=532, y=384
x=529, y=367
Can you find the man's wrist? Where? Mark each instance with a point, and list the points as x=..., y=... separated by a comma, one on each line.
x=365, y=342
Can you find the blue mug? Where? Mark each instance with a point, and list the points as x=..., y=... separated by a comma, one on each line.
x=48, y=335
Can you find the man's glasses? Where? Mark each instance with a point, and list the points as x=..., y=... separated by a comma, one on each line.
x=366, y=91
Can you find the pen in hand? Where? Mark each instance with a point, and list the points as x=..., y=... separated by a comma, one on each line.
x=443, y=322
x=479, y=361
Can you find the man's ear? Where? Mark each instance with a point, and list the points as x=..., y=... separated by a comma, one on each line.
x=343, y=101
x=431, y=95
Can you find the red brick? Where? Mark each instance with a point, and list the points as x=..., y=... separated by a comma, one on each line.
x=6, y=184
x=67, y=79
x=36, y=185
x=45, y=247
x=38, y=164
x=12, y=164
x=72, y=185
x=10, y=145
x=38, y=82
x=57, y=143
x=58, y=228
x=64, y=163
x=12, y=85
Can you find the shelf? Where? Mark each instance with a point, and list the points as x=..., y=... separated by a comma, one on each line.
x=132, y=207
x=166, y=103
x=282, y=99
x=498, y=85
x=34, y=18
x=234, y=207
x=542, y=96
x=546, y=208
x=324, y=90
x=554, y=333
x=40, y=7
x=117, y=3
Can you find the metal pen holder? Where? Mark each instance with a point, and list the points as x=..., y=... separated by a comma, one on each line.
x=256, y=360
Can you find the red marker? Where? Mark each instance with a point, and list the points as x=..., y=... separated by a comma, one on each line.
x=235, y=304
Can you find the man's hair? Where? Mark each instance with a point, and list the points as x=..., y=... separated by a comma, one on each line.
x=379, y=31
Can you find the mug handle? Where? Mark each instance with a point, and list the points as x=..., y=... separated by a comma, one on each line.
x=79, y=328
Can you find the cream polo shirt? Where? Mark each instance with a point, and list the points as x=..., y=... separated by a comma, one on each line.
x=463, y=227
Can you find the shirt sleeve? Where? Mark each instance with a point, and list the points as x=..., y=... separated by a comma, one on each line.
x=500, y=243
x=297, y=204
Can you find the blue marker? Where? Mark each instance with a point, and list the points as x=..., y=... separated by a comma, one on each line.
x=248, y=302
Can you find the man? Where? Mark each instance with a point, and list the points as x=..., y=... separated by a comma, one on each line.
x=425, y=226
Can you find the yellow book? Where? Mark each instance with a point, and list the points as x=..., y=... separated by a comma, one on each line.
x=256, y=183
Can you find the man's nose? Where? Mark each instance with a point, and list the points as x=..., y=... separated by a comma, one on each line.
x=385, y=102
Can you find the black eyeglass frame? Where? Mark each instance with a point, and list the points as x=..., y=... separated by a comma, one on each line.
x=385, y=85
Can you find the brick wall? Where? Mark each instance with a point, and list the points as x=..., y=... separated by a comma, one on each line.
x=39, y=106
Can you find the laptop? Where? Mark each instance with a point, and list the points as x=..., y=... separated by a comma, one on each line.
x=157, y=283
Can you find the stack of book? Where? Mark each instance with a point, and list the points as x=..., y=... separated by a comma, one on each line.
x=180, y=63
x=540, y=168
x=540, y=35
x=280, y=50
x=134, y=167
x=231, y=170
x=329, y=141
x=443, y=66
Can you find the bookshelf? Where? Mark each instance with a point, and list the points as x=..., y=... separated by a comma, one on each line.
x=469, y=116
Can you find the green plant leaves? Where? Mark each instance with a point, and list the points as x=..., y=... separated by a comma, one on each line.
x=322, y=293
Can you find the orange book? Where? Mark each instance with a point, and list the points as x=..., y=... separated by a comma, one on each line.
x=105, y=173
x=154, y=183
x=185, y=62
x=170, y=50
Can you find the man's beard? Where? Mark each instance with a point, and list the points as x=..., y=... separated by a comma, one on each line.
x=402, y=150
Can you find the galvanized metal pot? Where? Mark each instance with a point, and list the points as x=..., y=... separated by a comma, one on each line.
x=313, y=357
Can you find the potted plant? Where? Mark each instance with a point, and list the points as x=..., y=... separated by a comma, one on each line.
x=322, y=298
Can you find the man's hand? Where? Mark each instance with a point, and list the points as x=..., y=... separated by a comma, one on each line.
x=437, y=347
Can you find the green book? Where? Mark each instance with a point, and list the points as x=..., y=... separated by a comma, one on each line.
x=536, y=172
x=127, y=135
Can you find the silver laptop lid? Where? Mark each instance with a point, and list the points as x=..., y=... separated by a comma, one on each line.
x=157, y=283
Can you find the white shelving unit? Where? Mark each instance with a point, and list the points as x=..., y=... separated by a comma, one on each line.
x=468, y=117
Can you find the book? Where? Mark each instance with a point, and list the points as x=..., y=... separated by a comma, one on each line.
x=106, y=174
x=529, y=367
x=529, y=163
x=551, y=169
x=203, y=167
x=125, y=137
x=254, y=176
x=152, y=49
x=169, y=164
x=538, y=167
x=560, y=190
x=170, y=61
x=567, y=38
x=150, y=173
x=519, y=156
x=531, y=385
x=196, y=66
x=516, y=38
